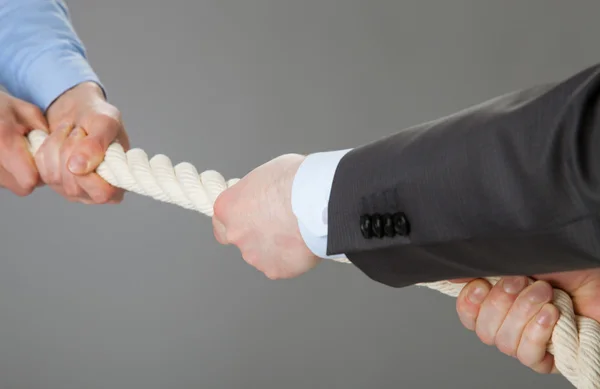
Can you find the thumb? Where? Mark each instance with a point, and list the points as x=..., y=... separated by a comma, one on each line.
x=87, y=154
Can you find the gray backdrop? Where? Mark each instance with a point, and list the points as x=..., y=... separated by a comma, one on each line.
x=141, y=296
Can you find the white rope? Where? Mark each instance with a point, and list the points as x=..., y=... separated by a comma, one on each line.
x=575, y=340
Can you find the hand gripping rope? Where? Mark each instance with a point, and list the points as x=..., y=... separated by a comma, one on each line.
x=575, y=341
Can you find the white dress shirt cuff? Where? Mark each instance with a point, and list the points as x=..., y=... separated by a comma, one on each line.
x=310, y=198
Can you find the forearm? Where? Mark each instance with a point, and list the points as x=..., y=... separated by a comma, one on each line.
x=506, y=187
x=42, y=56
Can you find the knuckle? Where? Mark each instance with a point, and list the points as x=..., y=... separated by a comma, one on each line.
x=29, y=109
x=251, y=258
x=220, y=206
x=49, y=174
x=232, y=236
x=110, y=118
x=218, y=231
x=29, y=181
x=23, y=191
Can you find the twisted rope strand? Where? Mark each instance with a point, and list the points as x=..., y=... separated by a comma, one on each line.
x=575, y=341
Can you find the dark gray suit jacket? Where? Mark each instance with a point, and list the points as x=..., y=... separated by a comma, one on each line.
x=511, y=186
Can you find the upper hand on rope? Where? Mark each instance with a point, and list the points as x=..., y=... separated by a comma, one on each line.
x=82, y=125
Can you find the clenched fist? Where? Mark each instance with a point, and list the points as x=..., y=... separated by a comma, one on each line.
x=82, y=125
x=256, y=216
x=18, y=171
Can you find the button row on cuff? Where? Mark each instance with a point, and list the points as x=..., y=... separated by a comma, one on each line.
x=384, y=225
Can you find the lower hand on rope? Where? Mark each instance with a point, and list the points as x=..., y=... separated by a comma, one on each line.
x=256, y=215
x=518, y=317
x=18, y=172
x=82, y=126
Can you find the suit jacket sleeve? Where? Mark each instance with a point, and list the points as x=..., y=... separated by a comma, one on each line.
x=510, y=186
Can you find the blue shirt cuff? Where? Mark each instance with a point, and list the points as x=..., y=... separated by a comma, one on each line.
x=310, y=198
x=42, y=56
x=52, y=74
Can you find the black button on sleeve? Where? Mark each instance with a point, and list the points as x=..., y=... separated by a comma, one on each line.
x=388, y=226
x=377, y=225
x=365, y=227
x=401, y=224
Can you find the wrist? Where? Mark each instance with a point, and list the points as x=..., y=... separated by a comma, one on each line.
x=85, y=92
x=90, y=88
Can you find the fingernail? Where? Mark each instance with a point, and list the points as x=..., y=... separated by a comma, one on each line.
x=513, y=285
x=477, y=295
x=540, y=292
x=78, y=164
x=545, y=316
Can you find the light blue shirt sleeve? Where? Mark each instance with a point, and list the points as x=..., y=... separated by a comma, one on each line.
x=310, y=198
x=41, y=55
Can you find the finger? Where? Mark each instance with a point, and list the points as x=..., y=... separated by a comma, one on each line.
x=95, y=188
x=17, y=160
x=47, y=158
x=102, y=131
x=21, y=165
x=496, y=306
x=61, y=192
x=526, y=306
x=532, y=350
x=90, y=152
x=546, y=366
x=118, y=197
x=469, y=302
x=9, y=182
x=98, y=190
x=219, y=231
x=224, y=207
x=68, y=180
x=31, y=116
